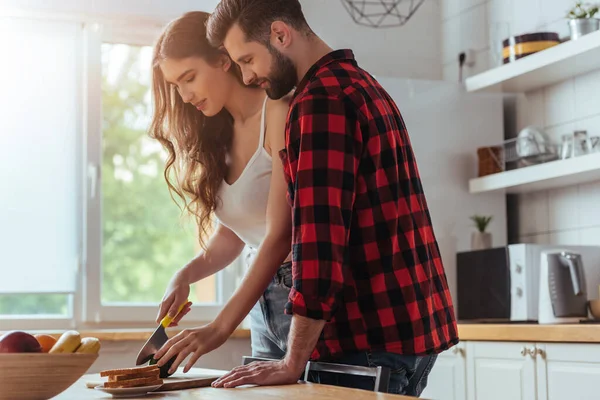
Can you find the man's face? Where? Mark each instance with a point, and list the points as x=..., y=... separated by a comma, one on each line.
x=262, y=65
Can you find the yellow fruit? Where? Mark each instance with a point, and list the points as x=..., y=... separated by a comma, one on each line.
x=67, y=343
x=89, y=345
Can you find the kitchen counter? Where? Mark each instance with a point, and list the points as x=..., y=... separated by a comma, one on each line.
x=79, y=391
x=567, y=333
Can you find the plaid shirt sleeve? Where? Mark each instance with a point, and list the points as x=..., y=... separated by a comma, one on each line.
x=324, y=137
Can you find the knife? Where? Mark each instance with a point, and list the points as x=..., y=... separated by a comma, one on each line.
x=158, y=338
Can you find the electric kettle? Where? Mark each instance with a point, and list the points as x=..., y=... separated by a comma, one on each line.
x=562, y=291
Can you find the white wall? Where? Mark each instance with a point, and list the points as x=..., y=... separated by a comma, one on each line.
x=160, y=9
x=569, y=215
x=410, y=51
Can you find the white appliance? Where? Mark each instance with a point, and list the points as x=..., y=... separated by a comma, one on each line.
x=529, y=289
x=503, y=283
x=563, y=291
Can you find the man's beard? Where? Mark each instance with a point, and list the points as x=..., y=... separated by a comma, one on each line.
x=282, y=77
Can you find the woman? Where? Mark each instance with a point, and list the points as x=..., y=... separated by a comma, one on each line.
x=221, y=136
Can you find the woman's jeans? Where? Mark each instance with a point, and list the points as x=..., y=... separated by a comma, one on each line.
x=269, y=324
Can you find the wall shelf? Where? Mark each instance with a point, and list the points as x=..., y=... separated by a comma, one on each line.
x=553, y=65
x=549, y=175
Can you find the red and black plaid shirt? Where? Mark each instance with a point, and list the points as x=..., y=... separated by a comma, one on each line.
x=365, y=258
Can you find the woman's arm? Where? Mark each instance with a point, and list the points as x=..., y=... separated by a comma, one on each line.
x=221, y=250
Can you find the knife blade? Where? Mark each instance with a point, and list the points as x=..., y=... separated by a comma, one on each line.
x=157, y=340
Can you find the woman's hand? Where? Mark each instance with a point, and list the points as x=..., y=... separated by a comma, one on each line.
x=198, y=341
x=176, y=294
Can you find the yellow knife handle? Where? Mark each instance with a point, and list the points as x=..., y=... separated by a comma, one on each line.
x=166, y=321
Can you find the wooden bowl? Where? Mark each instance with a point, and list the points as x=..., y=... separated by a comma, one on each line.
x=39, y=376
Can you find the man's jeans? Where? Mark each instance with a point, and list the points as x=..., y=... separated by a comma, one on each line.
x=269, y=332
x=404, y=377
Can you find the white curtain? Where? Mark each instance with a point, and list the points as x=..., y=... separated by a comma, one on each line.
x=39, y=150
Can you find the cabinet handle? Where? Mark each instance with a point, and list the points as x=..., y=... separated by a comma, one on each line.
x=533, y=351
x=539, y=352
x=457, y=350
x=524, y=351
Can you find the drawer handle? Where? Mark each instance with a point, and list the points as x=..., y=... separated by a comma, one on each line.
x=457, y=350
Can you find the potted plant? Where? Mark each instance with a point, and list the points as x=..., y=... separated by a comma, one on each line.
x=481, y=239
x=581, y=19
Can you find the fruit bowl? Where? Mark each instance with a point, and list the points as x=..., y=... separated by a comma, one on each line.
x=40, y=376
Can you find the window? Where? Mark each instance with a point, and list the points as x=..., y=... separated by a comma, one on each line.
x=144, y=243
x=143, y=236
x=40, y=222
x=88, y=230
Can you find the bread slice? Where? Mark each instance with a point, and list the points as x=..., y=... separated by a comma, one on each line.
x=128, y=371
x=143, y=374
x=149, y=381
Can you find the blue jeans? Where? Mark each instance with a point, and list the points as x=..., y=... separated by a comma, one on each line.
x=405, y=377
x=269, y=325
x=269, y=332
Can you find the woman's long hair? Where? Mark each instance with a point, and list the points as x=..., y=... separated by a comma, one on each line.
x=197, y=145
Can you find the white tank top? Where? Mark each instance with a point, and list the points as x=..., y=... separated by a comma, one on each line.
x=243, y=206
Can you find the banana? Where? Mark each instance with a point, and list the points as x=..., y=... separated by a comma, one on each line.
x=89, y=345
x=68, y=342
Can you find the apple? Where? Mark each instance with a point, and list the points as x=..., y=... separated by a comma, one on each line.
x=19, y=342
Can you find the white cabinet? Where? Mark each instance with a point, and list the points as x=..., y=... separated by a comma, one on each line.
x=517, y=371
x=572, y=371
x=447, y=380
x=500, y=370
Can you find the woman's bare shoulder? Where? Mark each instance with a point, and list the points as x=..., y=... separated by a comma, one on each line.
x=280, y=106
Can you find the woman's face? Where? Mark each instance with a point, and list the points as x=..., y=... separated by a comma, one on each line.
x=199, y=83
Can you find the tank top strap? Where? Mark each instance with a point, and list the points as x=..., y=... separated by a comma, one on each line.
x=261, y=141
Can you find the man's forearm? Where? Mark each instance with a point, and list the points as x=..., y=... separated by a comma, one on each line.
x=302, y=339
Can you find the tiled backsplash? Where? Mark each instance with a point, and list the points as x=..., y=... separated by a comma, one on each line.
x=569, y=215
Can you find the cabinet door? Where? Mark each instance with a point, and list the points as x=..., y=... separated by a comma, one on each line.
x=500, y=371
x=447, y=380
x=572, y=370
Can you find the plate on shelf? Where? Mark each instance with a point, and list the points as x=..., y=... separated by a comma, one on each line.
x=128, y=392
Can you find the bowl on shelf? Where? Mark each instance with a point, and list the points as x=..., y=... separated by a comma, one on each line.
x=37, y=376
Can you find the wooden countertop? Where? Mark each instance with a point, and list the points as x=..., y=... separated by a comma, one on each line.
x=573, y=333
x=79, y=391
x=567, y=333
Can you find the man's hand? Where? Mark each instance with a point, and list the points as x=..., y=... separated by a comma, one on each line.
x=262, y=373
x=196, y=341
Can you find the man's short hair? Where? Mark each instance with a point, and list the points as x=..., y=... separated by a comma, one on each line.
x=254, y=17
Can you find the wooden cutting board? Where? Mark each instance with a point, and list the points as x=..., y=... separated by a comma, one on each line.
x=186, y=383
x=178, y=381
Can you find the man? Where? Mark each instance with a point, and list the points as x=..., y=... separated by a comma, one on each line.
x=369, y=285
